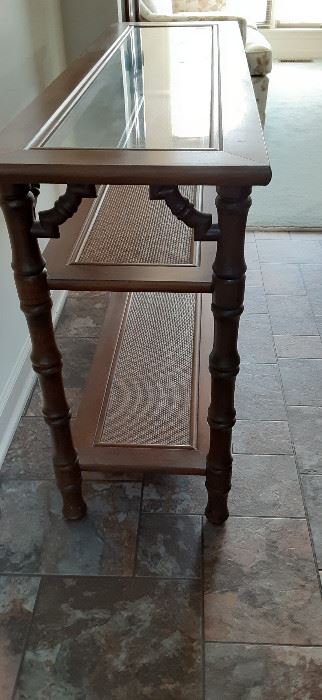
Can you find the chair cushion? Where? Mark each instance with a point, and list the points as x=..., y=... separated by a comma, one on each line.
x=259, y=52
x=157, y=7
x=198, y=5
x=149, y=16
x=260, y=85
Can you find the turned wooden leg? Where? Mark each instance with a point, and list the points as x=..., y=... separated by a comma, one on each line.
x=17, y=202
x=227, y=305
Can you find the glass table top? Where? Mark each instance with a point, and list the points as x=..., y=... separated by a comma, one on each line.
x=157, y=90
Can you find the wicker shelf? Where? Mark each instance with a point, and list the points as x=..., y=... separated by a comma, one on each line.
x=124, y=242
x=145, y=404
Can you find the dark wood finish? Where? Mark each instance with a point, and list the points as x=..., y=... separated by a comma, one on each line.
x=185, y=459
x=199, y=221
x=132, y=10
x=30, y=276
x=239, y=163
x=64, y=208
x=131, y=167
x=63, y=273
x=229, y=285
x=241, y=159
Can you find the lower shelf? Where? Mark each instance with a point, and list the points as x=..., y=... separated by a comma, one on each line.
x=145, y=404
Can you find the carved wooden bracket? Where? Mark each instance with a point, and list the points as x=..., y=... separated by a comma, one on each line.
x=35, y=189
x=200, y=222
x=66, y=205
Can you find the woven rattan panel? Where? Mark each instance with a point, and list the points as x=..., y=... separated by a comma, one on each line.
x=150, y=396
x=130, y=229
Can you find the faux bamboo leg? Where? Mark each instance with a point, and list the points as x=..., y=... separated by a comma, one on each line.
x=17, y=202
x=227, y=305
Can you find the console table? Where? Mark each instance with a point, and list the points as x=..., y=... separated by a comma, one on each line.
x=145, y=123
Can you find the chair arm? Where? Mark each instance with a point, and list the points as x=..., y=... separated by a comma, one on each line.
x=195, y=17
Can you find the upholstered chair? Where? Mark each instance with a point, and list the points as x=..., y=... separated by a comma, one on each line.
x=258, y=50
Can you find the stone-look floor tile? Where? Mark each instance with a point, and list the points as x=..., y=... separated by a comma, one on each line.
x=262, y=485
x=282, y=279
x=259, y=393
x=312, y=275
x=30, y=456
x=315, y=299
x=302, y=382
x=30, y=453
x=83, y=315
x=169, y=493
x=111, y=476
x=306, y=428
x=318, y=321
x=251, y=255
x=169, y=546
x=17, y=600
x=291, y=314
x=263, y=672
x=34, y=407
x=265, y=486
x=271, y=235
x=35, y=538
x=261, y=438
x=114, y=638
x=301, y=347
x=306, y=235
x=255, y=342
x=255, y=301
x=260, y=583
x=77, y=355
x=254, y=278
x=312, y=486
x=297, y=251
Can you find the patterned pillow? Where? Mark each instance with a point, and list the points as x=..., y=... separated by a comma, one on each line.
x=198, y=5
x=159, y=7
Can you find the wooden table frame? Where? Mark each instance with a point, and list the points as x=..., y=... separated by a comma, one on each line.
x=240, y=164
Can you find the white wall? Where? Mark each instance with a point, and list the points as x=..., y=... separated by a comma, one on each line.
x=38, y=38
x=31, y=55
x=295, y=43
x=84, y=21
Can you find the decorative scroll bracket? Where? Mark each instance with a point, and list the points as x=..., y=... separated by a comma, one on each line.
x=184, y=210
x=64, y=208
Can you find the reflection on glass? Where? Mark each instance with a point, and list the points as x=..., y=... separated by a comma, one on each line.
x=154, y=92
x=190, y=90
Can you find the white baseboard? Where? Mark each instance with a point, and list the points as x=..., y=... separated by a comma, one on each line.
x=20, y=385
x=294, y=43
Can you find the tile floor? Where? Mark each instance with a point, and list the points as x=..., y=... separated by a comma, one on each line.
x=145, y=599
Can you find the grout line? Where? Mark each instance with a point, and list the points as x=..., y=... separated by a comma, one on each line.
x=296, y=335
x=51, y=479
x=135, y=558
x=25, y=646
x=265, y=644
x=248, y=517
x=234, y=515
x=310, y=304
x=174, y=515
x=104, y=577
x=293, y=358
x=261, y=420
